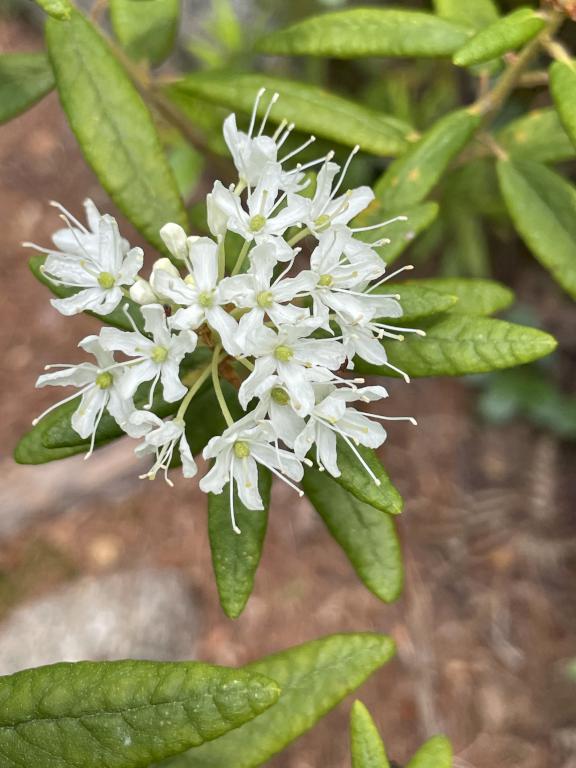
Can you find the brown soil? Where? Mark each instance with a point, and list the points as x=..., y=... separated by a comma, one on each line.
x=487, y=617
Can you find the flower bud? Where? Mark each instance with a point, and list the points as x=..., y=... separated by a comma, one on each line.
x=175, y=240
x=142, y=293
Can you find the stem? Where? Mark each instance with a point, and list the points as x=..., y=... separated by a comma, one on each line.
x=299, y=236
x=241, y=257
x=192, y=391
x=489, y=104
x=218, y=388
x=221, y=258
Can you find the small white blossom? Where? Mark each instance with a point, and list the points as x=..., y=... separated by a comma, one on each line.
x=275, y=405
x=161, y=438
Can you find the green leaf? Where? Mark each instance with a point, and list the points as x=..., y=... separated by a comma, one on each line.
x=411, y=177
x=506, y=34
x=355, y=479
x=473, y=296
x=313, y=678
x=146, y=34
x=542, y=205
x=459, y=344
x=113, y=127
x=31, y=449
x=473, y=13
x=24, y=79
x=563, y=89
x=367, y=747
x=117, y=318
x=418, y=300
x=309, y=107
x=435, y=753
x=122, y=714
x=400, y=233
x=366, y=534
x=538, y=135
x=235, y=557
x=361, y=32
x=58, y=9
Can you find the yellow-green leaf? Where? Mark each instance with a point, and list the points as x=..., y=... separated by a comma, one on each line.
x=418, y=300
x=539, y=136
x=400, y=233
x=361, y=32
x=24, y=79
x=435, y=753
x=58, y=9
x=366, y=534
x=473, y=296
x=366, y=745
x=311, y=109
x=413, y=175
x=563, y=88
x=147, y=33
x=472, y=13
x=506, y=34
x=113, y=126
x=542, y=205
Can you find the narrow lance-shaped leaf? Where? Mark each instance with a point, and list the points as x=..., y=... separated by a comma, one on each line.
x=146, y=32
x=361, y=32
x=538, y=135
x=563, y=88
x=411, y=177
x=313, y=678
x=401, y=233
x=235, y=556
x=113, y=127
x=122, y=714
x=311, y=108
x=473, y=13
x=506, y=34
x=58, y=9
x=473, y=296
x=365, y=742
x=435, y=753
x=366, y=534
x=455, y=345
x=24, y=79
x=542, y=205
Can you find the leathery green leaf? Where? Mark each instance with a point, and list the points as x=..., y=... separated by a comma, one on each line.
x=24, y=79
x=538, y=135
x=309, y=107
x=122, y=714
x=401, y=233
x=358, y=32
x=460, y=344
x=366, y=745
x=235, y=556
x=117, y=318
x=435, y=753
x=146, y=33
x=470, y=296
x=366, y=534
x=419, y=300
x=113, y=127
x=313, y=678
x=361, y=484
x=58, y=9
x=474, y=13
x=542, y=205
x=506, y=34
x=413, y=175
x=563, y=88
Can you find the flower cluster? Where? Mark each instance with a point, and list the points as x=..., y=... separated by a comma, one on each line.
x=284, y=324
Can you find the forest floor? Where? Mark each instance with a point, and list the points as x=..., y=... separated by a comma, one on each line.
x=487, y=619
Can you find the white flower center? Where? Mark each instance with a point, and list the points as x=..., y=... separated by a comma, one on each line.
x=280, y=396
x=283, y=353
x=241, y=449
x=104, y=380
x=106, y=280
x=159, y=354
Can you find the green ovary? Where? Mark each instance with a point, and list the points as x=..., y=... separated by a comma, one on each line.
x=159, y=355
x=322, y=222
x=206, y=299
x=264, y=299
x=106, y=280
x=241, y=449
x=283, y=353
x=257, y=223
x=280, y=396
x=325, y=281
x=104, y=380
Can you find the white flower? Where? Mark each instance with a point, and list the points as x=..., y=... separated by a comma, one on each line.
x=266, y=212
x=96, y=264
x=176, y=240
x=325, y=209
x=274, y=403
x=98, y=390
x=161, y=438
x=261, y=294
x=147, y=292
x=331, y=417
x=237, y=453
x=156, y=359
x=199, y=294
x=296, y=360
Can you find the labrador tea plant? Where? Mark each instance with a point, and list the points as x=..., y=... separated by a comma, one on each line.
x=267, y=304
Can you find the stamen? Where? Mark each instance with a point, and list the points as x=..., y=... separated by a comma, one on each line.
x=343, y=173
x=68, y=216
x=61, y=402
x=126, y=310
x=381, y=224
x=271, y=103
x=390, y=276
x=97, y=422
x=279, y=129
x=152, y=390
x=299, y=149
x=287, y=133
x=285, y=479
x=259, y=95
x=411, y=419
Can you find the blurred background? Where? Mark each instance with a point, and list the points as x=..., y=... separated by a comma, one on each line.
x=96, y=564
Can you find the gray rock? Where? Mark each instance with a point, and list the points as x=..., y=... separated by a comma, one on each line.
x=140, y=614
